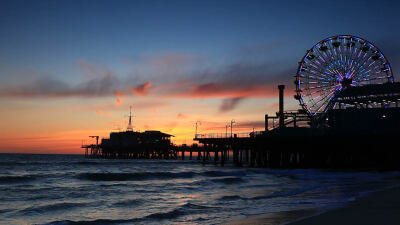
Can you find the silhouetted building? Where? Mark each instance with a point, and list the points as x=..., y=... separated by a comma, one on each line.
x=131, y=144
x=371, y=109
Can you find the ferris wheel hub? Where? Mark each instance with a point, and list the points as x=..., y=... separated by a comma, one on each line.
x=346, y=82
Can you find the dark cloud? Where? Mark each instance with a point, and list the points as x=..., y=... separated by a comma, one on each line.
x=229, y=104
x=50, y=87
x=240, y=80
x=97, y=87
x=181, y=116
x=142, y=89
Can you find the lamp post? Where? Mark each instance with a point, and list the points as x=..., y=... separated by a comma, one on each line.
x=197, y=123
x=232, y=122
x=226, y=130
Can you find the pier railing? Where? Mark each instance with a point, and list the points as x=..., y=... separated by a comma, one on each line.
x=229, y=135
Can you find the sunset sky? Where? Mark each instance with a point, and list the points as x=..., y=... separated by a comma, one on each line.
x=70, y=69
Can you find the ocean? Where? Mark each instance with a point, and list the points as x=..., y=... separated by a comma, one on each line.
x=71, y=189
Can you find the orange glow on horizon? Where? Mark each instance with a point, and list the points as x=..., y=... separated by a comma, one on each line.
x=36, y=126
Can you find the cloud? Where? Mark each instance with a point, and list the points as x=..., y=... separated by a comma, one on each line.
x=102, y=82
x=119, y=94
x=102, y=113
x=251, y=124
x=108, y=85
x=51, y=87
x=142, y=89
x=240, y=80
x=93, y=71
x=137, y=104
x=181, y=116
x=229, y=104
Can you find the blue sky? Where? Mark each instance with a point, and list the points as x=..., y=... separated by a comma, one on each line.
x=50, y=36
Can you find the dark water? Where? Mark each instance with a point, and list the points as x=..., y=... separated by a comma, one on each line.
x=69, y=189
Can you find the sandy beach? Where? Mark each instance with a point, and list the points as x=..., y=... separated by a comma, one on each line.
x=380, y=208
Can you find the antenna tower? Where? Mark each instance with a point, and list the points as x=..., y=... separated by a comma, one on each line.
x=129, y=128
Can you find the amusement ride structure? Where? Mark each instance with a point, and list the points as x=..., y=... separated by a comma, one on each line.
x=333, y=65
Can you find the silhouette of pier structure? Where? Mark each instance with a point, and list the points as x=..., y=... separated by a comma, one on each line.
x=354, y=135
x=349, y=118
x=346, y=141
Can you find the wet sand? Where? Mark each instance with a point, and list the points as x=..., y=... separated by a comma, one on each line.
x=378, y=208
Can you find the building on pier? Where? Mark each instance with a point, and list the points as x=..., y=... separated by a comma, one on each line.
x=132, y=144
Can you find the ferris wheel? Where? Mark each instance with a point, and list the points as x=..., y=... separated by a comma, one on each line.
x=334, y=64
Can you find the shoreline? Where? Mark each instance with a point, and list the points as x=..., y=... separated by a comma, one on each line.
x=380, y=207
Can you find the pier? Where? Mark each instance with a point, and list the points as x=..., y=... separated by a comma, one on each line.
x=295, y=141
x=349, y=117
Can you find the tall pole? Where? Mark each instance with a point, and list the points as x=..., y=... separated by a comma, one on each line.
x=232, y=122
x=281, y=116
x=197, y=123
x=226, y=130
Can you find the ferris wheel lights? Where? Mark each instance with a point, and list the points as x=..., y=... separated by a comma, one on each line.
x=365, y=48
x=376, y=57
x=311, y=56
x=323, y=48
x=336, y=44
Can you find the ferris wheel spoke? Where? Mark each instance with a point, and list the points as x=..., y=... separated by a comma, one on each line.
x=321, y=105
x=326, y=62
x=333, y=50
x=321, y=78
x=317, y=72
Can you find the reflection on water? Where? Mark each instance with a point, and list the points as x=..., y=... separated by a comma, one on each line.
x=64, y=189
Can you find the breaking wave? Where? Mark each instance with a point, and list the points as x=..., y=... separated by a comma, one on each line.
x=186, y=209
x=16, y=179
x=51, y=207
x=138, y=176
x=134, y=176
